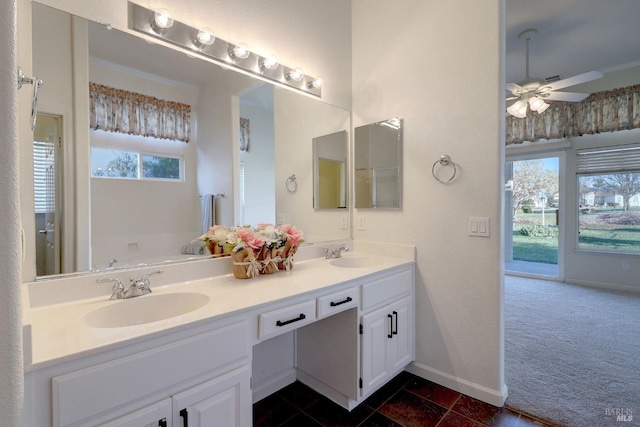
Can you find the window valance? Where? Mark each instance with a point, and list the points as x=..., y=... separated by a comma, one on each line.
x=607, y=111
x=118, y=110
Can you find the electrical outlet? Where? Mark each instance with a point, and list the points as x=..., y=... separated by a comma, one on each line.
x=362, y=223
x=625, y=265
x=345, y=222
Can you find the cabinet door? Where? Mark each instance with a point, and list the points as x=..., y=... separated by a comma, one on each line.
x=376, y=332
x=156, y=415
x=222, y=401
x=401, y=346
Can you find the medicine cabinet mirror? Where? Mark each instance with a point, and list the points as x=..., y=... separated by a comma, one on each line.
x=378, y=169
x=330, y=171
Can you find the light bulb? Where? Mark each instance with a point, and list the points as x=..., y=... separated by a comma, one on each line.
x=518, y=109
x=163, y=19
x=270, y=62
x=543, y=107
x=240, y=51
x=296, y=74
x=315, y=83
x=535, y=103
x=205, y=37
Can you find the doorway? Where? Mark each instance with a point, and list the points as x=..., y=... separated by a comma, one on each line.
x=533, y=232
x=47, y=169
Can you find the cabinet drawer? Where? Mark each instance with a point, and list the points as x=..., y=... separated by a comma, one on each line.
x=286, y=319
x=386, y=289
x=337, y=302
x=87, y=392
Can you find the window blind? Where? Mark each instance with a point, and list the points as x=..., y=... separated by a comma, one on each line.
x=609, y=160
x=39, y=176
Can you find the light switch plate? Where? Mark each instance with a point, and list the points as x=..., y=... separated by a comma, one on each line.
x=478, y=226
x=362, y=223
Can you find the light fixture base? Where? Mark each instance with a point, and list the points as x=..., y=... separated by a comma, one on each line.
x=526, y=34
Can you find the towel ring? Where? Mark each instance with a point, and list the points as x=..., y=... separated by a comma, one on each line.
x=291, y=184
x=444, y=161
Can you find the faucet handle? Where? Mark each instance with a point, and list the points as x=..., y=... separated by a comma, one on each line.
x=117, y=292
x=145, y=278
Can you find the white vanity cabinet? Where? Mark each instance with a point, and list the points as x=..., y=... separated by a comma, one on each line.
x=387, y=329
x=196, y=380
x=221, y=401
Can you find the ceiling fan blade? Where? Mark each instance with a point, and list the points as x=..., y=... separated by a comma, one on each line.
x=514, y=88
x=565, y=96
x=575, y=80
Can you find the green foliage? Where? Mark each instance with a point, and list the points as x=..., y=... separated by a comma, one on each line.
x=539, y=230
x=160, y=167
x=125, y=165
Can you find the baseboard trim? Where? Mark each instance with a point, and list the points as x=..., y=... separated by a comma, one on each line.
x=477, y=391
x=604, y=286
x=273, y=384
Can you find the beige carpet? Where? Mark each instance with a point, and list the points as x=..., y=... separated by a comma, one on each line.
x=572, y=353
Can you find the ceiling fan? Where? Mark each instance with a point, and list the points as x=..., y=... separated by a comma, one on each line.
x=533, y=92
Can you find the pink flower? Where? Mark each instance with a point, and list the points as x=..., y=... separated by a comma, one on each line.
x=248, y=236
x=294, y=234
x=263, y=226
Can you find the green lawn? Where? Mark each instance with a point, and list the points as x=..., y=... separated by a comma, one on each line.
x=594, y=235
x=534, y=249
x=625, y=238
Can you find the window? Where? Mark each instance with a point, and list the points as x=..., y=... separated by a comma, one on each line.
x=40, y=150
x=109, y=163
x=609, y=199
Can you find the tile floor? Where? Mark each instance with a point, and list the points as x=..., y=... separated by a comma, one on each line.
x=407, y=400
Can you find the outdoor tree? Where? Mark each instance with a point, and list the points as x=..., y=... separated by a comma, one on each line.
x=531, y=178
x=124, y=165
x=625, y=184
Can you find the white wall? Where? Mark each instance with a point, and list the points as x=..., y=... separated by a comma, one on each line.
x=433, y=63
x=259, y=163
x=11, y=389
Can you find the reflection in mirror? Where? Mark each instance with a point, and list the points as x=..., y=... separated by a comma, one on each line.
x=330, y=171
x=150, y=217
x=378, y=172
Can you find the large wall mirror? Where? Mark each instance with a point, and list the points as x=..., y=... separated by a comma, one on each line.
x=116, y=221
x=378, y=171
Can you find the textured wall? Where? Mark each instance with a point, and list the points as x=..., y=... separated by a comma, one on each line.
x=437, y=65
x=11, y=382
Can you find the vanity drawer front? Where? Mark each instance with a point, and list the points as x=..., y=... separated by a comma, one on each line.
x=286, y=319
x=337, y=302
x=85, y=393
x=386, y=289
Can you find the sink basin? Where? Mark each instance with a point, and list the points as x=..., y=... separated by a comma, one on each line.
x=144, y=309
x=353, y=262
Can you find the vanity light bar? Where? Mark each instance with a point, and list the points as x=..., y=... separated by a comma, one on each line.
x=143, y=21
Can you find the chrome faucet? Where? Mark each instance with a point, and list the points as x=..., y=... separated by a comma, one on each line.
x=140, y=286
x=111, y=262
x=136, y=288
x=117, y=292
x=337, y=252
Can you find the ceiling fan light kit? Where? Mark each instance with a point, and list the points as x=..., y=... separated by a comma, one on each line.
x=533, y=92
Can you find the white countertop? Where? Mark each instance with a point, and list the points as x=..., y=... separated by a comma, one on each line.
x=58, y=334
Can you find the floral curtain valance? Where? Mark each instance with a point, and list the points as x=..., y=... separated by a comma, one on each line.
x=117, y=110
x=606, y=111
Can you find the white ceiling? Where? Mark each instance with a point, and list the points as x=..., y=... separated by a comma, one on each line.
x=574, y=36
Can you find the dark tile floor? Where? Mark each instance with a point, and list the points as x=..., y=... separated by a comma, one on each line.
x=407, y=400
